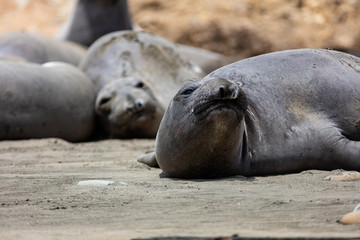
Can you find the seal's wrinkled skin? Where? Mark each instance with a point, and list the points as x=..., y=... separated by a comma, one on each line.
x=135, y=75
x=277, y=113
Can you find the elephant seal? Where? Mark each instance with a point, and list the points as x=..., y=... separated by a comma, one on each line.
x=50, y=100
x=207, y=60
x=276, y=113
x=135, y=76
x=31, y=47
x=91, y=19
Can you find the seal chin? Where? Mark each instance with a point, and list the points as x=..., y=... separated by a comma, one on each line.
x=141, y=124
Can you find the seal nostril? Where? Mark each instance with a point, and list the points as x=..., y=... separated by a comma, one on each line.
x=140, y=104
x=136, y=106
x=222, y=92
x=234, y=94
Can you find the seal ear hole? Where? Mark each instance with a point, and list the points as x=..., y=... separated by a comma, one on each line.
x=139, y=85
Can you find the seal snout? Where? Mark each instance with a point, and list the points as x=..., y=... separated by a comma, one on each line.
x=228, y=92
x=223, y=89
x=218, y=94
x=106, y=104
x=220, y=88
x=135, y=106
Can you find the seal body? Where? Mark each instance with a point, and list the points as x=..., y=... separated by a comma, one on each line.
x=276, y=113
x=91, y=19
x=54, y=100
x=30, y=47
x=135, y=76
x=207, y=60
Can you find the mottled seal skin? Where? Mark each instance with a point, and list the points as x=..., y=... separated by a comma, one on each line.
x=91, y=19
x=135, y=76
x=50, y=100
x=31, y=47
x=277, y=113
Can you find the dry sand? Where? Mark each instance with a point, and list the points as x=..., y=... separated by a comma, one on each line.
x=40, y=198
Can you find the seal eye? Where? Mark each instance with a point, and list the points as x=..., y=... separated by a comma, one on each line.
x=139, y=85
x=188, y=91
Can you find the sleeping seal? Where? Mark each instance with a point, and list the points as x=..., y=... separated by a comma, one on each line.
x=135, y=76
x=31, y=47
x=50, y=100
x=277, y=113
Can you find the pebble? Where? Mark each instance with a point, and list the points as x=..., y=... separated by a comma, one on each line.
x=345, y=176
x=351, y=217
x=98, y=183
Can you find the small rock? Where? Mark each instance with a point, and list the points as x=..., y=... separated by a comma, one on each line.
x=351, y=218
x=95, y=183
x=345, y=176
x=99, y=183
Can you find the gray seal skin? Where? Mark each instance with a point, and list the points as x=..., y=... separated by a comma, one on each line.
x=31, y=47
x=207, y=60
x=40, y=101
x=91, y=19
x=277, y=113
x=135, y=76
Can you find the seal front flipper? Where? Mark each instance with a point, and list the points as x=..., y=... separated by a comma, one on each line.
x=345, y=152
x=149, y=159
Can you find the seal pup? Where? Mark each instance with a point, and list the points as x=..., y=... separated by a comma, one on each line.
x=91, y=19
x=31, y=47
x=39, y=101
x=135, y=76
x=276, y=113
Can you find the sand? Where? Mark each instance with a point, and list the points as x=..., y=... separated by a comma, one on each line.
x=40, y=198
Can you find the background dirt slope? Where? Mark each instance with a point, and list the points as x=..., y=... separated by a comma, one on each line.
x=234, y=27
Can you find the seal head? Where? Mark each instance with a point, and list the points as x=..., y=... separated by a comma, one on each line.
x=202, y=134
x=127, y=108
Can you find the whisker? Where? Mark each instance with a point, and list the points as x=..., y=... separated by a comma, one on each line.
x=180, y=118
x=180, y=129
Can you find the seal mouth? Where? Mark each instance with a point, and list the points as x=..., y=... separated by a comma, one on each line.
x=134, y=117
x=205, y=107
x=133, y=124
